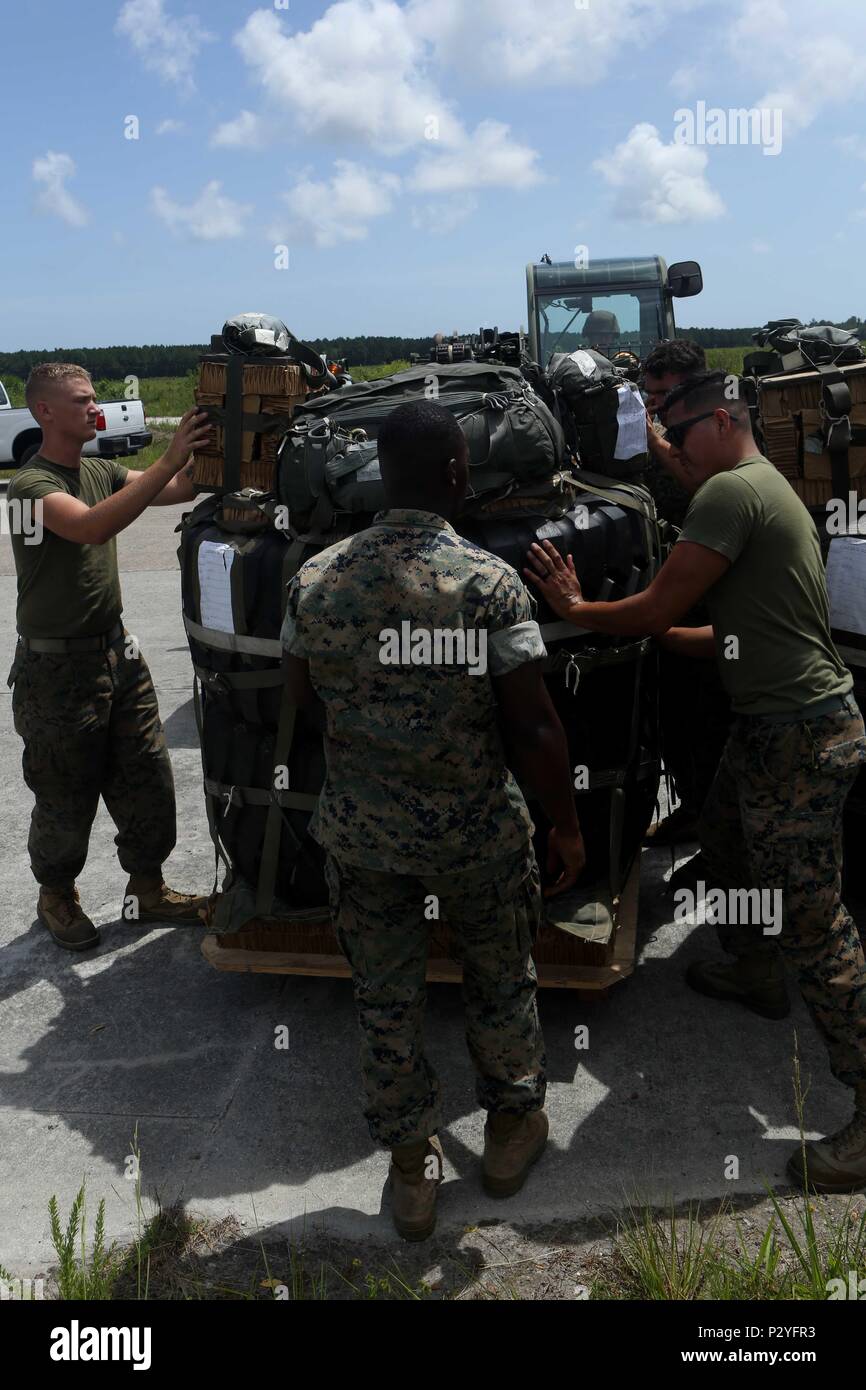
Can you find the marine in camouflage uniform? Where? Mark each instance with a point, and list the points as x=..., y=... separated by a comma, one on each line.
x=422, y=820
x=83, y=699
x=417, y=802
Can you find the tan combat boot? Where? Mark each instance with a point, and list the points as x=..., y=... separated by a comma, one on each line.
x=59, y=909
x=757, y=982
x=512, y=1143
x=838, y=1163
x=156, y=902
x=416, y=1172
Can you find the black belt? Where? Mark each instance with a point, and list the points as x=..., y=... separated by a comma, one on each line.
x=62, y=645
x=832, y=705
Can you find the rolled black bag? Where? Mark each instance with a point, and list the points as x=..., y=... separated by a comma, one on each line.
x=605, y=410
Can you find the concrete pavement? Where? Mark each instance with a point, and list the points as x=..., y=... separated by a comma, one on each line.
x=142, y=1034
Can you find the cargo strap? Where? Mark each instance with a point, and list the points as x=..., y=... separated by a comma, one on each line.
x=232, y=795
x=219, y=681
x=836, y=411
x=233, y=641
x=233, y=422
x=590, y=658
x=219, y=848
x=271, y=843
x=250, y=420
x=612, y=494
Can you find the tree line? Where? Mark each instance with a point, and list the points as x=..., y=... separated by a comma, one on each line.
x=171, y=360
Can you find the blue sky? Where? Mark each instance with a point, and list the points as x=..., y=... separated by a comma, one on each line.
x=412, y=157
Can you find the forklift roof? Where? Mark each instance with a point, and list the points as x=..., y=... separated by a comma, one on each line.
x=624, y=270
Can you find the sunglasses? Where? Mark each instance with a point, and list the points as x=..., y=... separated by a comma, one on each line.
x=676, y=434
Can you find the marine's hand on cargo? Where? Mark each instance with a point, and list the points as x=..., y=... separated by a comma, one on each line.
x=556, y=580
x=194, y=432
x=689, y=571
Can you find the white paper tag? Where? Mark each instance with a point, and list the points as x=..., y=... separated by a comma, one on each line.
x=631, y=423
x=846, y=584
x=215, y=582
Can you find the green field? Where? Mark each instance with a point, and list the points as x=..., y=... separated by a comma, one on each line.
x=172, y=395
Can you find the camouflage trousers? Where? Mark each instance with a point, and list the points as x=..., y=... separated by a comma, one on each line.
x=384, y=924
x=91, y=727
x=773, y=820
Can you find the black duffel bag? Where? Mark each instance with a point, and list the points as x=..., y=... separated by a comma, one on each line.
x=602, y=411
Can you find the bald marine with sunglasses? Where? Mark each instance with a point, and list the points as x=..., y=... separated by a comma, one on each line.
x=773, y=817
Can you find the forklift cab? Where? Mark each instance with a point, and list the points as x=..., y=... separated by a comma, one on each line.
x=610, y=305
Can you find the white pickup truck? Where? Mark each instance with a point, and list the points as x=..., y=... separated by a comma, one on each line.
x=122, y=430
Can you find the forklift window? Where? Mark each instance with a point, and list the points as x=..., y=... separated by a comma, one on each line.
x=628, y=319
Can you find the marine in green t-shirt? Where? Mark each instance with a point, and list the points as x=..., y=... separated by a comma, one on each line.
x=771, y=825
x=770, y=611
x=66, y=588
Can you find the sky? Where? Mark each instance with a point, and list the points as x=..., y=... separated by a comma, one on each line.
x=369, y=167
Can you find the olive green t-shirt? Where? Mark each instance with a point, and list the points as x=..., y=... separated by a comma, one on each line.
x=66, y=589
x=773, y=599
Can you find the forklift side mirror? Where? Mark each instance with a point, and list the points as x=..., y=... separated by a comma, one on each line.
x=685, y=279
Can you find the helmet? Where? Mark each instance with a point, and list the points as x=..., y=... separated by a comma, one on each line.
x=601, y=322
x=256, y=333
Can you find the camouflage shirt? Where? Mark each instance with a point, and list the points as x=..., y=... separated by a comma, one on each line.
x=403, y=626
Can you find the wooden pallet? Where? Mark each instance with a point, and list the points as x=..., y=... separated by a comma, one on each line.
x=561, y=961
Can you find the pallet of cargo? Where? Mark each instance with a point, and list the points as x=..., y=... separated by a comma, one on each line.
x=562, y=961
x=794, y=422
x=251, y=401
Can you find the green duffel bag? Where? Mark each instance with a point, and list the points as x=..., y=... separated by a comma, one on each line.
x=329, y=461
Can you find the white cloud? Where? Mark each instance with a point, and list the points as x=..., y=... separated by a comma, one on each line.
x=212, y=217
x=441, y=216
x=357, y=74
x=166, y=46
x=537, y=41
x=244, y=132
x=327, y=212
x=852, y=144
x=686, y=80
x=486, y=158
x=806, y=56
x=51, y=171
x=655, y=182
x=169, y=127
x=761, y=248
